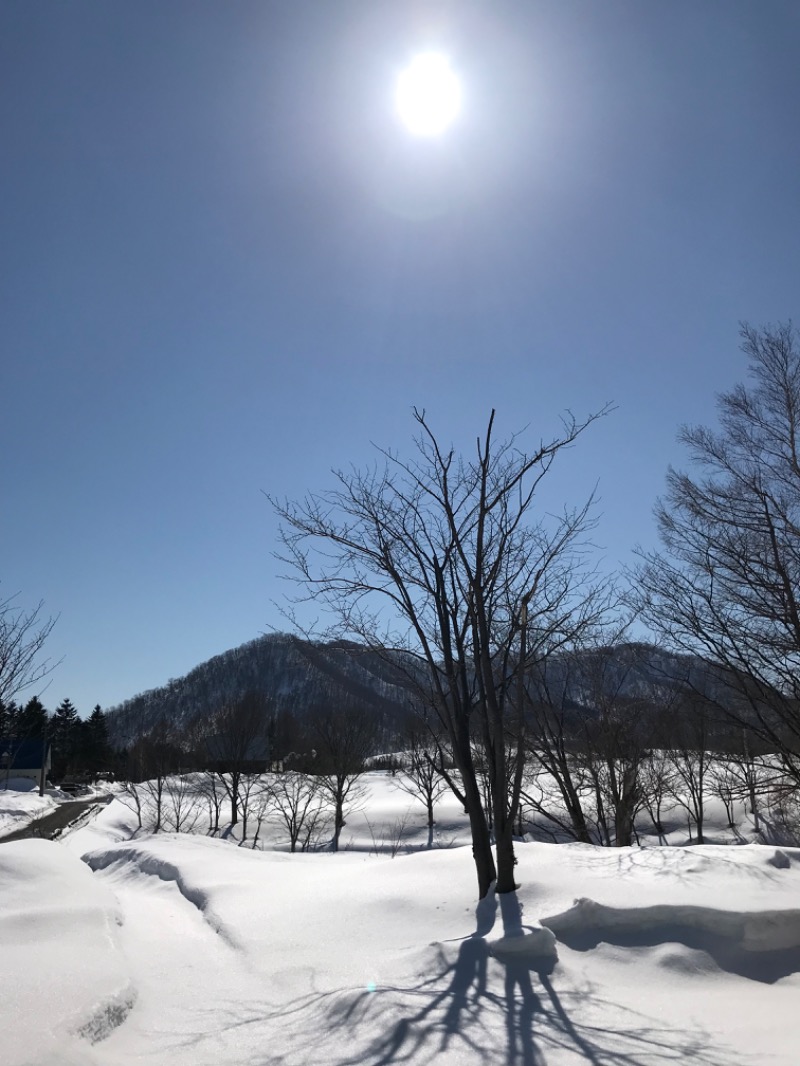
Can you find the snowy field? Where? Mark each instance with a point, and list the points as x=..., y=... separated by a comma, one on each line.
x=122, y=947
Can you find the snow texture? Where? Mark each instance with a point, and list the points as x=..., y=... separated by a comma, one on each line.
x=233, y=957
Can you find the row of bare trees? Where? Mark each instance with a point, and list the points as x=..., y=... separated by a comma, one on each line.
x=218, y=765
x=194, y=802
x=592, y=775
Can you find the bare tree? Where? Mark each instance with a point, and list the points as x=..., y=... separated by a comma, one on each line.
x=254, y=791
x=132, y=796
x=238, y=744
x=261, y=804
x=22, y=638
x=617, y=730
x=658, y=790
x=389, y=839
x=552, y=744
x=725, y=785
x=690, y=757
x=753, y=776
x=157, y=756
x=726, y=583
x=213, y=791
x=182, y=802
x=343, y=739
x=420, y=777
x=444, y=559
x=299, y=806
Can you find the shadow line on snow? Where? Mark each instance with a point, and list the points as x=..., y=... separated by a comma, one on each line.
x=459, y=1013
x=767, y=966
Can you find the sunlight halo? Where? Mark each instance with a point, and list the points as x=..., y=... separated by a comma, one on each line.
x=428, y=95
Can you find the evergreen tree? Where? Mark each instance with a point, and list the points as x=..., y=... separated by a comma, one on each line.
x=5, y=725
x=64, y=734
x=97, y=750
x=31, y=721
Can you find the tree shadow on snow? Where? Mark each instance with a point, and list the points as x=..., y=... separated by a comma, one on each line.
x=477, y=1007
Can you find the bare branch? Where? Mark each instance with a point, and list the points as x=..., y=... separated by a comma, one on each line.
x=22, y=637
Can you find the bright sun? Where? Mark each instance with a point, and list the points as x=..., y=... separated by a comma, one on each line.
x=428, y=95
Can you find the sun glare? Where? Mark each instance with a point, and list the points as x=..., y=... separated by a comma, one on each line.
x=428, y=95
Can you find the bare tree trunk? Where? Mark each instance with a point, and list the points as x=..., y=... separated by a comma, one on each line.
x=234, y=797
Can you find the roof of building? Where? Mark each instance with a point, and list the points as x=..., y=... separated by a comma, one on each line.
x=23, y=754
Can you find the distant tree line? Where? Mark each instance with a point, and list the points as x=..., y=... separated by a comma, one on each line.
x=79, y=746
x=603, y=772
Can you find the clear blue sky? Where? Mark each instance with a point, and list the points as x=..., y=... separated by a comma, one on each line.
x=225, y=267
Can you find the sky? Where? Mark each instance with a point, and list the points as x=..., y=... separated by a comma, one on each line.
x=227, y=267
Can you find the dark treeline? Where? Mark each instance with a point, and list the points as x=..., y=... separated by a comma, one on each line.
x=612, y=731
x=618, y=741
x=80, y=747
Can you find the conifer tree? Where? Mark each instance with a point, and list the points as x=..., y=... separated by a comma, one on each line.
x=31, y=720
x=5, y=720
x=97, y=750
x=64, y=729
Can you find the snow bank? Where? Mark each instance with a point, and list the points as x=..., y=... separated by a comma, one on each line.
x=634, y=955
x=64, y=982
x=758, y=931
x=20, y=803
x=399, y=946
x=354, y=911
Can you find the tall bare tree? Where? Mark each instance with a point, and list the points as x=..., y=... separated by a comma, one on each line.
x=727, y=583
x=445, y=559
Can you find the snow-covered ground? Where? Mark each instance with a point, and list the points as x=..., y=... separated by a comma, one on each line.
x=20, y=803
x=184, y=949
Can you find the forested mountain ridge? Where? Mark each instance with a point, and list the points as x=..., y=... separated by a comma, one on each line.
x=295, y=675
x=298, y=675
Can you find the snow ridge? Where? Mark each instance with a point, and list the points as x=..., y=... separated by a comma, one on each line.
x=759, y=945
x=147, y=863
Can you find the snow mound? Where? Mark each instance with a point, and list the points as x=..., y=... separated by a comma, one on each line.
x=750, y=930
x=780, y=860
x=537, y=945
x=64, y=979
x=760, y=945
x=20, y=804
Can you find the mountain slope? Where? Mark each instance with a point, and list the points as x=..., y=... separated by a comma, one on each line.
x=296, y=675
